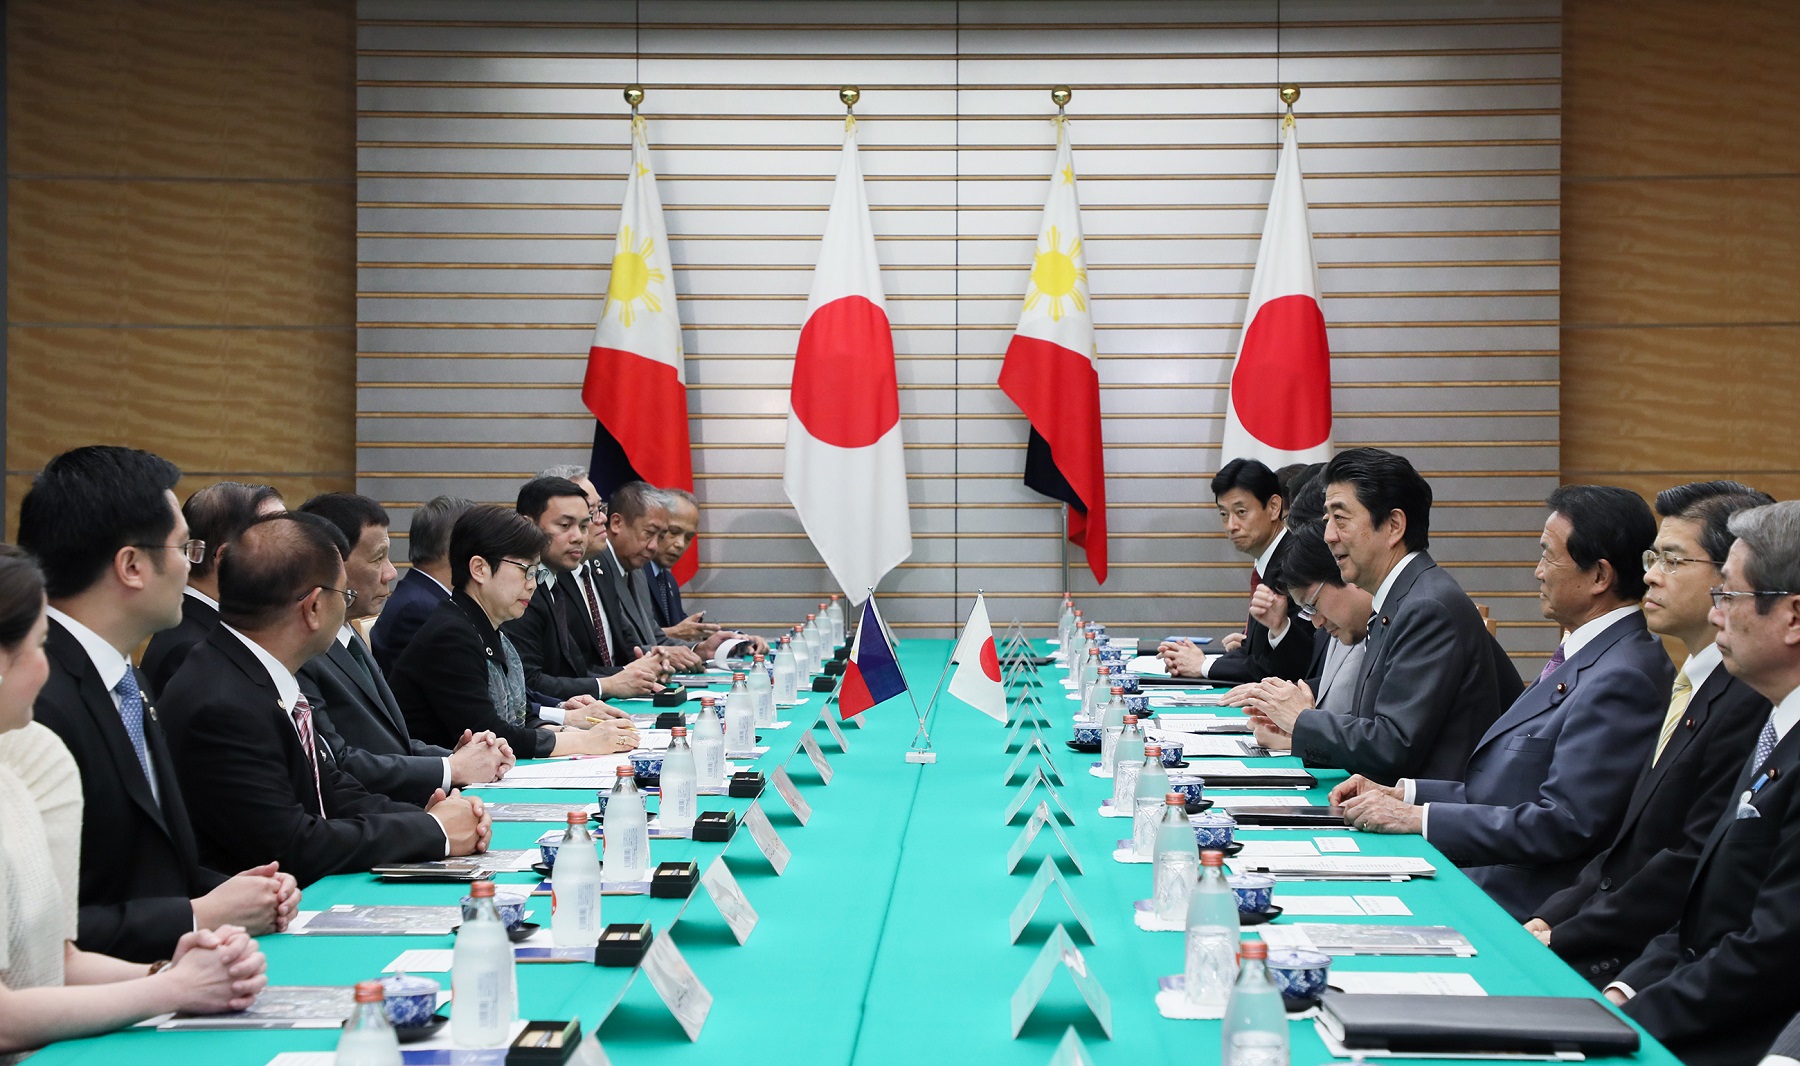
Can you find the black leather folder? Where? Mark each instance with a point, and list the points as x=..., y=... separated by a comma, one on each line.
x=1534, y=1025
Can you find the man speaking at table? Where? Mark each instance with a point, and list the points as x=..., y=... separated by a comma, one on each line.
x=1429, y=687
x=1547, y=785
x=1719, y=986
x=242, y=733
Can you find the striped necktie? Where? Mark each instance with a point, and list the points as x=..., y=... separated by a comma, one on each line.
x=1679, y=697
x=1556, y=660
x=303, y=724
x=586, y=581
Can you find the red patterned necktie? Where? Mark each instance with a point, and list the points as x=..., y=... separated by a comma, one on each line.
x=304, y=723
x=587, y=590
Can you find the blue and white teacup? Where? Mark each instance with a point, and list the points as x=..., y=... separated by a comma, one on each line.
x=646, y=767
x=410, y=1000
x=1193, y=788
x=1171, y=751
x=547, y=845
x=1128, y=684
x=1137, y=704
x=511, y=908
x=1300, y=975
x=1087, y=733
x=1255, y=892
x=1213, y=830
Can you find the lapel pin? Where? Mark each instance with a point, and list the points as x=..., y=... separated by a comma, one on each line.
x=1690, y=723
x=1561, y=687
x=1384, y=620
x=1774, y=772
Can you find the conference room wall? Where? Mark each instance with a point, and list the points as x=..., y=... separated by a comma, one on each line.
x=492, y=148
x=181, y=198
x=1681, y=222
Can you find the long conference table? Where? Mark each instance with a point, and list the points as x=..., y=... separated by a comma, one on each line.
x=886, y=940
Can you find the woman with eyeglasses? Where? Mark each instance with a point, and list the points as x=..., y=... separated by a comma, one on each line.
x=460, y=672
x=49, y=989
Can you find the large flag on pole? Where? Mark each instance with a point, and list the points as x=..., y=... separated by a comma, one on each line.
x=1279, y=407
x=845, y=469
x=1050, y=371
x=976, y=681
x=636, y=383
x=872, y=673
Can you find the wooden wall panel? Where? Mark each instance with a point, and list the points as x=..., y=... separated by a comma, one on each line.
x=181, y=219
x=1681, y=253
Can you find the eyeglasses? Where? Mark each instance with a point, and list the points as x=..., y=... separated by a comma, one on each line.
x=195, y=550
x=1721, y=595
x=349, y=595
x=1309, y=609
x=1669, y=561
x=531, y=571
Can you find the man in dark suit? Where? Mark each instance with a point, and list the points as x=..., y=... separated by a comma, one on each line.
x=427, y=581
x=214, y=514
x=1718, y=987
x=1631, y=892
x=546, y=635
x=1251, y=508
x=1547, y=785
x=115, y=552
x=242, y=734
x=1429, y=688
x=353, y=708
x=635, y=521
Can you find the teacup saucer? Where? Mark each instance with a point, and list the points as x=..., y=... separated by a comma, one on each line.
x=1086, y=749
x=412, y=1034
x=1262, y=918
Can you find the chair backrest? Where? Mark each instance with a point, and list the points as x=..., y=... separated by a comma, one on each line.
x=1493, y=627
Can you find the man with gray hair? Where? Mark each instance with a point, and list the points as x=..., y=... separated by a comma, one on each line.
x=425, y=584
x=683, y=524
x=1715, y=989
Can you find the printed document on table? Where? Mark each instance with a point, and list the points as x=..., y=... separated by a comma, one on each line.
x=1339, y=867
x=586, y=773
x=1379, y=983
x=1193, y=746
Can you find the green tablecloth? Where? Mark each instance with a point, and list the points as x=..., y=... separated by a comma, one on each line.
x=886, y=940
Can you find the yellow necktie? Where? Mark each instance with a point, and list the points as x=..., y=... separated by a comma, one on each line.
x=1678, y=702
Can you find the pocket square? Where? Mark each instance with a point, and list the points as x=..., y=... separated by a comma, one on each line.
x=1747, y=810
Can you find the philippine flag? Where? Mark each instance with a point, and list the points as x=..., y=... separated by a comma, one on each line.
x=1050, y=373
x=636, y=383
x=976, y=681
x=845, y=469
x=872, y=674
x=1279, y=407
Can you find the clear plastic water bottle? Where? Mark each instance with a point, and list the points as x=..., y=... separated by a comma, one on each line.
x=1090, y=667
x=1212, y=936
x=1094, y=694
x=835, y=615
x=819, y=651
x=740, y=718
x=1152, y=786
x=762, y=691
x=368, y=1039
x=709, y=745
x=575, y=886
x=1112, y=727
x=802, y=653
x=1065, y=622
x=680, y=783
x=627, y=833
x=786, y=675
x=1128, y=762
x=1172, y=872
x=1255, y=1032
x=482, y=981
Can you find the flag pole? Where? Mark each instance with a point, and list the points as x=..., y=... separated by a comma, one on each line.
x=917, y=752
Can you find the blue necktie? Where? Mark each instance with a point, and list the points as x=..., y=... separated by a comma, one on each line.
x=131, y=712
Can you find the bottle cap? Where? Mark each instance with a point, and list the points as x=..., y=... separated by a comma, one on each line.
x=1253, y=949
x=1118, y=690
x=578, y=817
x=369, y=991
x=1175, y=799
x=678, y=731
x=759, y=657
x=1130, y=719
x=1212, y=858
x=485, y=889
x=1105, y=670
x=737, y=677
x=834, y=597
x=706, y=699
x=811, y=617
x=1153, y=751
x=626, y=771
x=785, y=640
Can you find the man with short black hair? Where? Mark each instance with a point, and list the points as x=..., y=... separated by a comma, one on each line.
x=1251, y=508
x=1429, y=686
x=427, y=581
x=115, y=551
x=242, y=733
x=1547, y=785
x=214, y=514
x=1623, y=898
x=354, y=711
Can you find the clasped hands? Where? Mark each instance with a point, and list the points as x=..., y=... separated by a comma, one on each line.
x=1374, y=808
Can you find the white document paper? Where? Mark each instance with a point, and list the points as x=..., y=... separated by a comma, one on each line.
x=1272, y=849
x=1373, y=983
x=1338, y=845
x=1319, y=907
x=1228, y=802
x=1195, y=746
x=1338, y=867
x=1383, y=905
x=1148, y=664
x=726, y=647
x=590, y=773
x=421, y=960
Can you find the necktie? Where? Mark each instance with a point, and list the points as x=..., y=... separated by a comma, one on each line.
x=1679, y=697
x=304, y=724
x=1556, y=660
x=1255, y=583
x=131, y=713
x=1765, y=745
x=586, y=581
x=659, y=587
x=362, y=659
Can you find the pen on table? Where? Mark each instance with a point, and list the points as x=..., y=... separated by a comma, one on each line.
x=596, y=721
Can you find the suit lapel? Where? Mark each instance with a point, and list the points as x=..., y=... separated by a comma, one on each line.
x=1782, y=761
x=1699, y=709
x=266, y=695
x=97, y=701
x=340, y=657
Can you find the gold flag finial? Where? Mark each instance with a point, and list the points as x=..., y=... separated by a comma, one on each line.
x=1060, y=96
x=634, y=95
x=849, y=94
x=1289, y=94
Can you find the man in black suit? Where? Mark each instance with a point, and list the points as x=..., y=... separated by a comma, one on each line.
x=1629, y=893
x=1429, y=687
x=635, y=521
x=546, y=635
x=1718, y=987
x=427, y=581
x=242, y=734
x=115, y=552
x=214, y=514
x=353, y=708
x=1251, y=508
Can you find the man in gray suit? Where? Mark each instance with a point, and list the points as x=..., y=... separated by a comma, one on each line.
x=635, y=521
x=1548, y=784
x=1429, y=686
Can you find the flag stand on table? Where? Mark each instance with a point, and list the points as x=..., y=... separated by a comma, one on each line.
x=872, y=675
x=973, y=669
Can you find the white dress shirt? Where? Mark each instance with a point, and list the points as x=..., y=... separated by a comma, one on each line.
x=1263, y=562
x=110, y=663
x=1387, y=583
x=190, y=590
